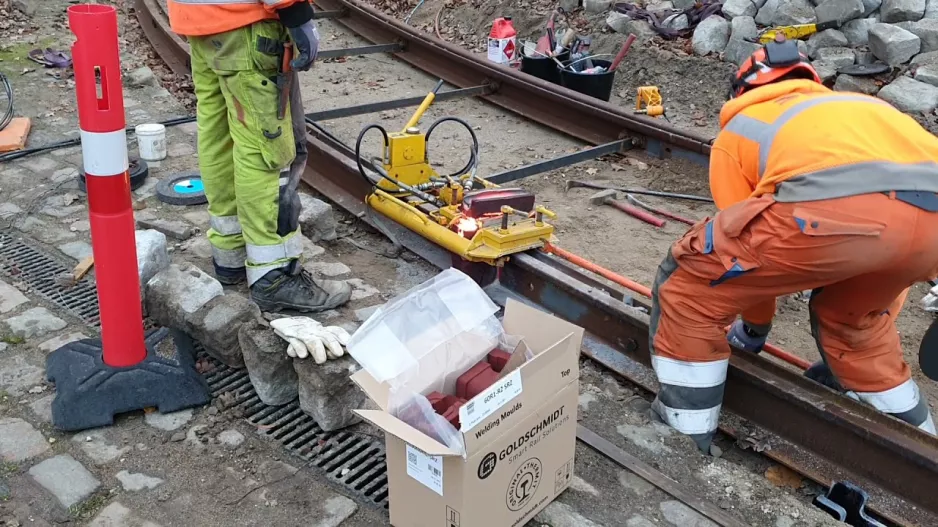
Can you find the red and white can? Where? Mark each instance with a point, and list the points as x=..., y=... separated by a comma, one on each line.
x=503, y=42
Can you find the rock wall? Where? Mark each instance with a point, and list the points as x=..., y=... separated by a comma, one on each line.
x=902, y=34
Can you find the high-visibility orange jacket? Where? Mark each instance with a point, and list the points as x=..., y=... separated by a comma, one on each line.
x=208, y=17
x=803, y=142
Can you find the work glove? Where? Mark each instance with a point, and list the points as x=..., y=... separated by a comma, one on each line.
x=308, y=337
x=930, y=301
x=821, y=373
x=298, y=19
x=744, y=338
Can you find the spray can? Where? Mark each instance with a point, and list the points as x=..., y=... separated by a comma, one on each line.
x=503, y=45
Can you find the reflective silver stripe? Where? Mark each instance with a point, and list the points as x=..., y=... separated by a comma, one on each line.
x=859, y=178
x=690, y=374
x=689, y=421
x=225, y=225
x=292, y=247
x=929, y=425
x=273, y=2
x=284, y=177
x=230, y=258
x=255, y=273
x=896, y=400
x=764, y=133
x=215, y=2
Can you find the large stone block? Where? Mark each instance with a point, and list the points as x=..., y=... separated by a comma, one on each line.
x=794, y=12
x=829, y=38
x=737, y=8
x=216, y=326
x=269, y=367
x=910, y=95
x=317, y=220
x=926, y=30
x=893, y=11
x=893, y=45
x=850, y=83
x=177, y=292
x=711, y=35
x=858, y=31
x=839, y=10
x=327, y=393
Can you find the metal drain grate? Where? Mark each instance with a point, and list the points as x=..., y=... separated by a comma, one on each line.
x=20, y=262
x=355, y=461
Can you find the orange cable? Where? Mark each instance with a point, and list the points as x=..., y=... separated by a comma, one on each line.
x=643, y=290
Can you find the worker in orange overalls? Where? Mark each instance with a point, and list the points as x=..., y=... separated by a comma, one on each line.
x=832, y=192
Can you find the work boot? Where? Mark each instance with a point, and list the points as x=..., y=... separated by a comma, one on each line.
x=293, y=288
x=229, y=275
x=821, y=373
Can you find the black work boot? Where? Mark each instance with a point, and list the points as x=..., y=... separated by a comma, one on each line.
x=229, y=275
x=293, y=288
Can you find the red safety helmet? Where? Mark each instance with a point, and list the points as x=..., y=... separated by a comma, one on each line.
x=771, y=63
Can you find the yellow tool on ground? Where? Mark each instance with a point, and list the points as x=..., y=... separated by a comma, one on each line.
x=794, y=32
x=462, y=212
x=648, y=101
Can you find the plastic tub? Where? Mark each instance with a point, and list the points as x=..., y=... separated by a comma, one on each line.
x=598, y=85
x=543, y=67
x=151, y=141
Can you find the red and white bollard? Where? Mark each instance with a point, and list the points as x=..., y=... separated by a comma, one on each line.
x=96, y=60
x=120, y=372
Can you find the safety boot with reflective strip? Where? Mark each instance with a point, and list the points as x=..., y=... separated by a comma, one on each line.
x=293, y=288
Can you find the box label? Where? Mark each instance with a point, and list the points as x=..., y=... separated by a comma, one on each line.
x=425, y=468
x=487, y=402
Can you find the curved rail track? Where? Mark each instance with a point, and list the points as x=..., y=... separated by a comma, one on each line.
x=798, y=423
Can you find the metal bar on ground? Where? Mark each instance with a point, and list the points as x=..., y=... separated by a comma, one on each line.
x=374, y=107
x=327, y=14
x=360, y=50
x=656, y=478
x=559, y=162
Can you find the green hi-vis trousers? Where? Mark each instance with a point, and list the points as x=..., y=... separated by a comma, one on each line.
x=250, y=161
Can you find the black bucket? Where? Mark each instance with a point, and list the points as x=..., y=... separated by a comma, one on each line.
x=544, y=67
x=598, y=85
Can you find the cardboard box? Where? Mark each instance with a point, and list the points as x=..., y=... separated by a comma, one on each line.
x=520, y=437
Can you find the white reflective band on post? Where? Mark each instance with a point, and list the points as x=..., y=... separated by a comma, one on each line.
x=896, y=400
x=104, y=154
x=225, y=225
x=292, y=247
x=929, y=425
x=690, y=374
x=230, y=258
x=690, y=421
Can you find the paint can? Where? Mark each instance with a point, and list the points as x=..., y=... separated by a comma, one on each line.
x=151, y=141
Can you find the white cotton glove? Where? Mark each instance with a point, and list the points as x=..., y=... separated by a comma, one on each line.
x=930, y=301
x=308, y=337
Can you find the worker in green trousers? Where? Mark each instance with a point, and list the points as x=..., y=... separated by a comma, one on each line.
x=251, y=160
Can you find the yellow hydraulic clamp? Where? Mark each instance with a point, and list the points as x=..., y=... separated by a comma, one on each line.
x=648, y=101
x=462, y=212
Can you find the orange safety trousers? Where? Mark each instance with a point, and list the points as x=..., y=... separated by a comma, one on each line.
x=858, y=254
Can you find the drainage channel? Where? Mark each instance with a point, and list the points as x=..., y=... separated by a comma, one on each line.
x=21, y=262
x=353, y=460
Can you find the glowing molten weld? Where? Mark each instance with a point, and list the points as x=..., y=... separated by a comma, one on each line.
x=467, y=227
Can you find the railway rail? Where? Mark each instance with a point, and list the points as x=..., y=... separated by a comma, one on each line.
x=807, y=427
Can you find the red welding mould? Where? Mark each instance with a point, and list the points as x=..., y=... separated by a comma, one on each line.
x=498, y=359
x=452, y=413
x=462, y=382
x=478, y=203
x=481, y=381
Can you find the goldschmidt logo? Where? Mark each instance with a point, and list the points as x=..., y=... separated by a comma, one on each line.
x=524, y=484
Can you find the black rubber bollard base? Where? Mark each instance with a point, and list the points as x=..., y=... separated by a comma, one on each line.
x=89, y=393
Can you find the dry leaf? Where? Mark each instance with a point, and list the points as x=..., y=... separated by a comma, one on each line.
x=783, y=477
x=616, y=167
x=591, y=171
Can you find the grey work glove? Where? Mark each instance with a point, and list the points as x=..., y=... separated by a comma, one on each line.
x=306, y=38
x=298, y=19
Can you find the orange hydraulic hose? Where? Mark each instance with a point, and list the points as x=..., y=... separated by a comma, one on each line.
x=643, y=290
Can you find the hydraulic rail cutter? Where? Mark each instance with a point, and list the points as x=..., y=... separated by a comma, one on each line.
x=474, y=219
